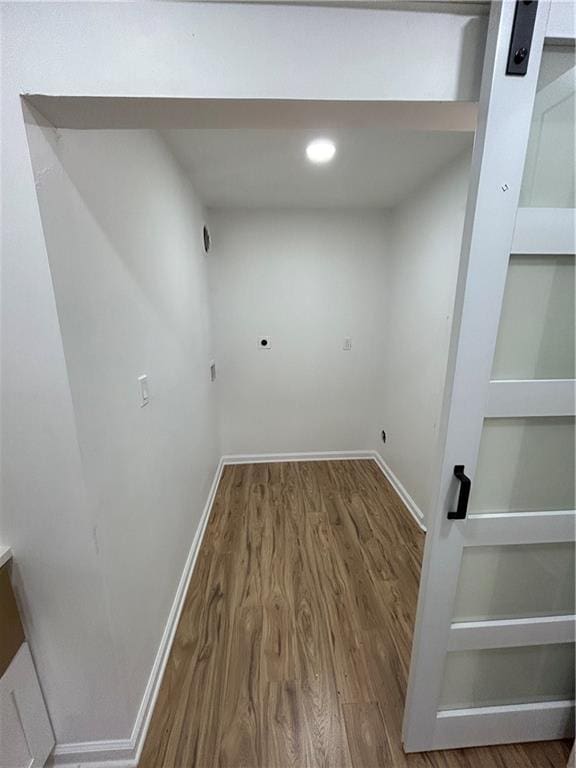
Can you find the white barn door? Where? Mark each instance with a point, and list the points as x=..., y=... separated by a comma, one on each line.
x=493, y=654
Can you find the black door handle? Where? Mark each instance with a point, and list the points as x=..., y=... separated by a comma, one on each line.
x=463, y=496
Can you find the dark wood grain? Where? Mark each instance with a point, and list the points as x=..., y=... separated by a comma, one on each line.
x=293, y=648
x=11, y=631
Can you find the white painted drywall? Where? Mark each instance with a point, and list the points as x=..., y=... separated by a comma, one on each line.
x=374, y=167
x=44, y=511
x=123, y=230
x=425, y=242
x=308, y=280
x=153, y=49
x=219, y=50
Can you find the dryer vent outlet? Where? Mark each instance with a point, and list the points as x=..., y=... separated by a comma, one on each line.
x=206, y=238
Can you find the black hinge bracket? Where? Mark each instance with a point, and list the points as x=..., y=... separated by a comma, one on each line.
x=521, y=39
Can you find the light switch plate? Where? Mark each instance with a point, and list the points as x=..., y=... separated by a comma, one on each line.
x=144, y=391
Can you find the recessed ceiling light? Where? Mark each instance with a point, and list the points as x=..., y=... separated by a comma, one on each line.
x=320, y=151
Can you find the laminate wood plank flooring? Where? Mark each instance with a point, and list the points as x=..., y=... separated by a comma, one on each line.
x=293, y=647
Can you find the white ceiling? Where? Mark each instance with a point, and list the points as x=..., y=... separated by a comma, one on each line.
x=427, y=6
x=394, y=126
x=251, y=153
x=252, y=168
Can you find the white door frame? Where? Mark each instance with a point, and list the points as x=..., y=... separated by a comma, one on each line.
x=490, y=230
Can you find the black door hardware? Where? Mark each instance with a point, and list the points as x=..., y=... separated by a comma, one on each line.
x=521, y=39
x=463, y=495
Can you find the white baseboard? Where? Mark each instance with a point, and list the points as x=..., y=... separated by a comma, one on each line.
x=125, y=753
x=408, y=501
x=95, y=754
x=271, y=458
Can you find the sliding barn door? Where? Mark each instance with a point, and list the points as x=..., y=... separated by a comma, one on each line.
x=493, y=655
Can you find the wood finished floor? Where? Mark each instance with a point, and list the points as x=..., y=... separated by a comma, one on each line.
x=294, y=642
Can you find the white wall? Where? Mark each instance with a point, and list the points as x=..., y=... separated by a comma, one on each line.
x=307, y=279
x=426, y=234
x=217, y=51
x=123, y=230
x=153, y=49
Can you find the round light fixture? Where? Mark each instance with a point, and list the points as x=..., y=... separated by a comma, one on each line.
x=320, y=151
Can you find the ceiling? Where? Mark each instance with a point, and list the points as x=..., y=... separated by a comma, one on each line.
x=427, y=6
x=252, y=168
x=250, y=153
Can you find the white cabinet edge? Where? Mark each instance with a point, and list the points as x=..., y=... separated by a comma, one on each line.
x=20, y=689
x=5, y=555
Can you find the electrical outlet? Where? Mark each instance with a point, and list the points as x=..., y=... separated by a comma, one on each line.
x=144, y=391
x=347, y=346
x=264, y=342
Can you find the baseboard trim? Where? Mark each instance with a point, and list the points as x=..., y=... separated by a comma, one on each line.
x=125, y=753
x=271, y=458
x=155, y=679
x=118, y=753
x=407, y=500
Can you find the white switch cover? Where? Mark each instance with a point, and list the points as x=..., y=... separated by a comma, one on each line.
x=144, y=392
x=347, y=346
x=264, y=342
